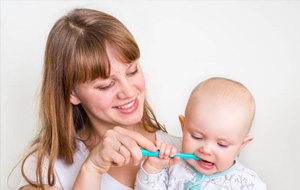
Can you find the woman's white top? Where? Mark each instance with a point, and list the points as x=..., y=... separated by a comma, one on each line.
x=66, y=174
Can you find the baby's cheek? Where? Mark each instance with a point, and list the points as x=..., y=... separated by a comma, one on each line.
x=225, y=161
x=188, y=146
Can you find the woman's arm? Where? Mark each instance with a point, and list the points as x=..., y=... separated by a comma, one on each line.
x=89, y=177
x=118, y=147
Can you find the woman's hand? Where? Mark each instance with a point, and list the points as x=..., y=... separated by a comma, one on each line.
x=156, y=164
x=118, y=147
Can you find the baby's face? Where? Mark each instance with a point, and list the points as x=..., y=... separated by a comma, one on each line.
x=214, y=131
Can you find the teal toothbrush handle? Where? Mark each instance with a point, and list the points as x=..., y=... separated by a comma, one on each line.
x=181, y=155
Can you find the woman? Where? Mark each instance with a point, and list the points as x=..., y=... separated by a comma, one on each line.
x=93, y=112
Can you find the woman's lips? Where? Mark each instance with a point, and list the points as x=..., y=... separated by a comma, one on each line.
x=129, y=107
x=126, y=106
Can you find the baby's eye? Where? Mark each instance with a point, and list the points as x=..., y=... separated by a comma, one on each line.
x=223, y=145
x=198, y=137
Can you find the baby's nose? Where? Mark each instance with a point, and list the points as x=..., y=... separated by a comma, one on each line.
x=206, y=149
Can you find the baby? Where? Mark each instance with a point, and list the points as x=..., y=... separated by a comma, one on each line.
x=215, y=128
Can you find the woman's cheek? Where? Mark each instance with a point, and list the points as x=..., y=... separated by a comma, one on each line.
x=141, y=84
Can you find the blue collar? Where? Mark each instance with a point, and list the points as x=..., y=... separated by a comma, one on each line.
x=196, y=183
x=234, y=167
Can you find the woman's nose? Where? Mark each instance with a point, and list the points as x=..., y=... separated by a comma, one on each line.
x=127, y=89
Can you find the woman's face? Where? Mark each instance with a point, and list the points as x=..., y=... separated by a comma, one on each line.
x=116, y=101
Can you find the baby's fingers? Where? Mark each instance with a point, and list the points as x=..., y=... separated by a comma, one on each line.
x=162, y=150
x=174, y=160
x=173, y=151
x=157, y=144
x=167, y=151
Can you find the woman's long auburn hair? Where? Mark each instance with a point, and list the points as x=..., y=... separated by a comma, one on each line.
x=75, y=53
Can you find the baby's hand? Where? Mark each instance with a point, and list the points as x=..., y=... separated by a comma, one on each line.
x=157, y=164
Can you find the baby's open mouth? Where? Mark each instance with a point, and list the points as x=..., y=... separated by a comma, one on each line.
x=206, y=162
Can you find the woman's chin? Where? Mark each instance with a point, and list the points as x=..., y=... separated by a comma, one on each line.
x=131, y=121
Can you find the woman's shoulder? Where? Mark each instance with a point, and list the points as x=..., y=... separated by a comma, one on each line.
x=169, y=139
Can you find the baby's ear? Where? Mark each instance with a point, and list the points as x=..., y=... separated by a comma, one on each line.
x=181, y=119
x=246, y=140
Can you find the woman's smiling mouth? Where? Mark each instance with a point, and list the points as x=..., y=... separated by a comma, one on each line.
x=129, y=107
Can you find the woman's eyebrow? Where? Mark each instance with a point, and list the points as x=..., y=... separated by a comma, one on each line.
x=132, y=64
x=128, y=66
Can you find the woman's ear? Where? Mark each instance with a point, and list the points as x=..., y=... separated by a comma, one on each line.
x=181, y=119
x=74, y=99
x=246, y=140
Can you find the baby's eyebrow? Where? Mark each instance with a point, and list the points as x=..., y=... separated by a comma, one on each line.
x=195, y=128
x=224, y=140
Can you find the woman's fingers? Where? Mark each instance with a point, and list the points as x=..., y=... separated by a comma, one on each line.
x=125, y=153
x=133, y=142
x=132, y=147
x=127, y=143
x=118, y=159
x=139, y=139
x=118, y=147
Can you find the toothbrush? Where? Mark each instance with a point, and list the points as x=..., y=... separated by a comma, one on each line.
x=181, y=155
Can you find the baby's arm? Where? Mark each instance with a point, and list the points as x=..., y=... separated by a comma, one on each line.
x=152, y=174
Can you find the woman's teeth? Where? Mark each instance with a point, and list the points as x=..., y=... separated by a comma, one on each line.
x=127, y=105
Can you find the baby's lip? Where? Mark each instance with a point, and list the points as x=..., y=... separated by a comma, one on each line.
x=205, y=164
x=205, y=161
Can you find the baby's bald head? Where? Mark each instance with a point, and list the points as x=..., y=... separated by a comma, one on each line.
x=223, y=92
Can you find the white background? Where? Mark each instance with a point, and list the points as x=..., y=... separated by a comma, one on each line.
x=182, y=43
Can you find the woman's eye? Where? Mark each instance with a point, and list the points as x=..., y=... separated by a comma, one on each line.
x=107, y=86
x=133, y=72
